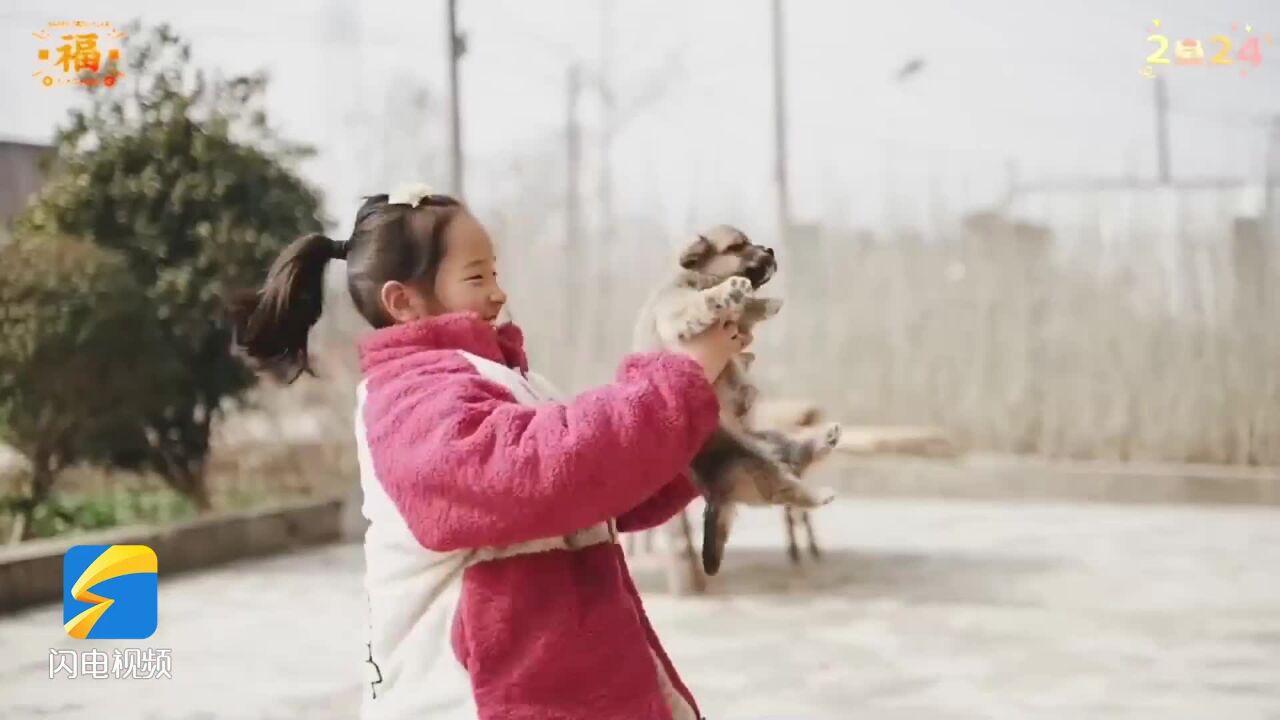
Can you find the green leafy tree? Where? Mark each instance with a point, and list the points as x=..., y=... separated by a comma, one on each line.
x=180, y=175
x=78, y=360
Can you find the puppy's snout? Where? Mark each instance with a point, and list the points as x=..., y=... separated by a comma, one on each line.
x=766, y=260
x=761, y=268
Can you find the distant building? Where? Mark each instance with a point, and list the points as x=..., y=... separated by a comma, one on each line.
x=20, y=179
x=1178, y=228
x=1209, y=211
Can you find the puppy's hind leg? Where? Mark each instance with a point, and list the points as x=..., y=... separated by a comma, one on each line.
x=792, y=493
x=826, y=441
x=793, y=550
x=808, y=527
x=750, y=470
x=716, y=521
x=804, y=449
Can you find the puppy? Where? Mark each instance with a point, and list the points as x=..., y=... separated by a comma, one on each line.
x=721, y=270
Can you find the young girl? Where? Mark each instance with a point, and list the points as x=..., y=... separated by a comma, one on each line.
x=496, y=586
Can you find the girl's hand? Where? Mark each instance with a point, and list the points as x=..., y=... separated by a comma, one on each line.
x=713, y=348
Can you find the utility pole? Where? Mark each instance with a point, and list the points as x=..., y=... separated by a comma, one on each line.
x=1162, y=130
x=572, y=221
x=1273, y=176
x=780, y=121
x=604, y=82
x=457, y=47
x=1010, y=181
x=1271, y=218
x=599, y=256
x=573, y=159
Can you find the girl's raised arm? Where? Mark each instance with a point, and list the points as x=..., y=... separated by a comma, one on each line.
x=468, y=466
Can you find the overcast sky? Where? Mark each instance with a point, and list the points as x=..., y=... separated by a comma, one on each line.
x=1054, y=85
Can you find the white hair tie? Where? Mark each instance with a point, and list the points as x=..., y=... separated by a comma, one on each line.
x=411, y=194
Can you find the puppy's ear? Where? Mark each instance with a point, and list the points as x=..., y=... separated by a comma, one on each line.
x=697, y=251
x=760, y=309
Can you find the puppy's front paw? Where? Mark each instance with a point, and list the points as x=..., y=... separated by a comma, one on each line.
x=728, y=298
x=738, y=289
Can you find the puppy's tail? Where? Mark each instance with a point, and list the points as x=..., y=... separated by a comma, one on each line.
x=716, y=520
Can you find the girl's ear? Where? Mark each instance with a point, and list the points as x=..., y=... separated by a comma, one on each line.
x=401, y=302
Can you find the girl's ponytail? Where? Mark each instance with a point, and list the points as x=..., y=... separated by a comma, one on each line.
x=271, y=325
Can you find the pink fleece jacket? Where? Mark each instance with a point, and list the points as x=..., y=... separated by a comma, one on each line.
x=469, y=462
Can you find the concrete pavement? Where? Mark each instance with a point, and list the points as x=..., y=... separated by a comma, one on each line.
x=919, y=609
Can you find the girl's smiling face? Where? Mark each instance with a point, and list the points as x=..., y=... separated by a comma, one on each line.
x=467, y=280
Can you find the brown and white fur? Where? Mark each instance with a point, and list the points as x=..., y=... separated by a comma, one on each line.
x=721, y=270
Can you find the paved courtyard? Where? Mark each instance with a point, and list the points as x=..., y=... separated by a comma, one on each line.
x=919, y=609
